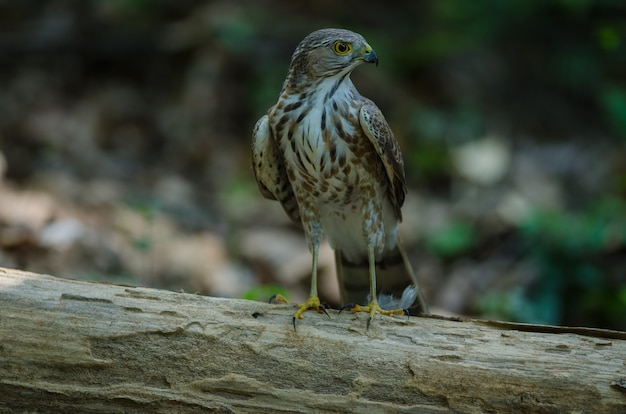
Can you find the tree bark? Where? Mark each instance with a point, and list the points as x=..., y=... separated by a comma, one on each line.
x=74, y=346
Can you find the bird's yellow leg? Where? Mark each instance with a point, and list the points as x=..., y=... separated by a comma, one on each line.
x=314, y=234
x=313, y=302
x=373, y=307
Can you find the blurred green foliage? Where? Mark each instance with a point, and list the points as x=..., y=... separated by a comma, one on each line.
x=453, y=240
x=575, y=253
x=597, y=229
x=613, y=100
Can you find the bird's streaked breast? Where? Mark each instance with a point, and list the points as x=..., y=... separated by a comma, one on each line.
x=316, y=134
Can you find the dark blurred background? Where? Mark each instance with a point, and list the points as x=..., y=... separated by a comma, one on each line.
x=125, y=146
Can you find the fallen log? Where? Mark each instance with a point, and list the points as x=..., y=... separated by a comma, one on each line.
x=75, y=346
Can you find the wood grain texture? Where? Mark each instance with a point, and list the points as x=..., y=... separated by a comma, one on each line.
x=72, y=346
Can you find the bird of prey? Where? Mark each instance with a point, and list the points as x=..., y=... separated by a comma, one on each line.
x=327, y=154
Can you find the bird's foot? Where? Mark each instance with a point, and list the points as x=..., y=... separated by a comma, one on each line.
x=311, y=303
x=373, y=308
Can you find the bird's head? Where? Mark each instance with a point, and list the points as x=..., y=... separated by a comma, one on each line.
x=330, y=52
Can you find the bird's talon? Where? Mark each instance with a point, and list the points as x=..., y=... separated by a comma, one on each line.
x=278, y=298
x=311, y=303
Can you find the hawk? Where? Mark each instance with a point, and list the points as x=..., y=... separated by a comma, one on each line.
x=327, y=154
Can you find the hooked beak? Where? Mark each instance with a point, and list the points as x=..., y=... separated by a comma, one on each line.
x=369, y=56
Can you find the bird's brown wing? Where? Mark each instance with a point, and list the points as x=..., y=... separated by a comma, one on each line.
x=378, y=132
x=269, y=169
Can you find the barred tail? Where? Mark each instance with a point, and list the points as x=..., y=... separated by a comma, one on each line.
x=394, y=277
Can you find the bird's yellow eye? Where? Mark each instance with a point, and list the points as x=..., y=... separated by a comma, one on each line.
x=342, y=48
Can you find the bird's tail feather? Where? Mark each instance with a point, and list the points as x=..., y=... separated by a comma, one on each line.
x=396, y=282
